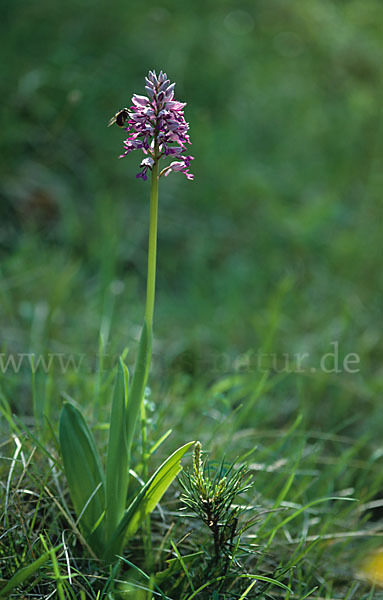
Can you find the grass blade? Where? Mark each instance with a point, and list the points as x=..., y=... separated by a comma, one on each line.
x=26, y=572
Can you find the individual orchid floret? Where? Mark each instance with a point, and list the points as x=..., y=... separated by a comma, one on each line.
x=179, y=165
x=156, y=125
x=146, y=163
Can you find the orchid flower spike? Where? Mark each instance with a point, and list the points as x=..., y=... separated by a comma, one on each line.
x=156, y=125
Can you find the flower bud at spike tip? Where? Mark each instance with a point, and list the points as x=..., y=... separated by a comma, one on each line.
x=156, y=125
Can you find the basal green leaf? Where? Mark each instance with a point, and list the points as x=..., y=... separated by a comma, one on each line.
x=145, y=501
x=156, y=488
x=84, y=474
x=140, y=377
x=118, y=456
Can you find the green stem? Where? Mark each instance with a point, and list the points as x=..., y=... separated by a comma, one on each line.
x=149, y=311
x=150, y=294
x=152, y=252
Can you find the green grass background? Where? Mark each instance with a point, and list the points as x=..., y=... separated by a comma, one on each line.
x=275, y=247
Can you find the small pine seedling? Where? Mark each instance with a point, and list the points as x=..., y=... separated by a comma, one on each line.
x=210, y=494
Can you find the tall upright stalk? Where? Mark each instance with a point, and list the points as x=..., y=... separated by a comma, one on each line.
x=149, y=311
x=152, y=251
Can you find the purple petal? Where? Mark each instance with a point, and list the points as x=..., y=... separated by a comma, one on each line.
x=140, y=100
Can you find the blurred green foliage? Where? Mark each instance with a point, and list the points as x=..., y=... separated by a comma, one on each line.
x=277, y=242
